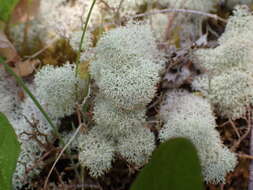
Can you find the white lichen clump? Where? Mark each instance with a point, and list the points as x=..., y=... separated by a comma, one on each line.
x=191, y=117
x=126, y=70
x=96, y=153
x=232, y=3
x=33, y=131
x=239, y=25
x=123, y=55
x=10, y=106
x=63, y=17
x=57, y=89
x=232, y=93
x=30, y=129
x=9, y=103
x=116, y=122
x=228, y=81
x=56, y=19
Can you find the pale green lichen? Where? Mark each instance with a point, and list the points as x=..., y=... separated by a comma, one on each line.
x=234, y=53
x=62, y=17
x=123, y=44
x=126, y=71
x=114, y=121
x=229, y=67
x=202, y=84
x=232, y=3
x=9, y=101
x=240, y=25
x=130, y=86
x=96, y=153
x=136, y=146
x=57, y=89
x=232, y=92
x=191, y=117
x=127, y=65
x=28, y=122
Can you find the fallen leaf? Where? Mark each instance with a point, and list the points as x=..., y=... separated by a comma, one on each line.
x=7, y=50
x=25, y=68
x=25, y=10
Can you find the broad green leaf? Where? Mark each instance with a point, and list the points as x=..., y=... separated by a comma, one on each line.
x=9, y=152
x=6, y=8
x=174, y=166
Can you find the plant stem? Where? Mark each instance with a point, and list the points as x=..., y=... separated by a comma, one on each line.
x=36, y=102
x=83, y=35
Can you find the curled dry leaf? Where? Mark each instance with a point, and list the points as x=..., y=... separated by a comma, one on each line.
x=7, y=50
x=25, y=68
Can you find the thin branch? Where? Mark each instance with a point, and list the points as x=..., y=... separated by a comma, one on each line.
x=83, y=34
x=43, y=49
x=107, y=5
x=188, y=11
x=237, y=144
x=245, y=156
x=249, y=117
x=60, y=154
x=235, y=129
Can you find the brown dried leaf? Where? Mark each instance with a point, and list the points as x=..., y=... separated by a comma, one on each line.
x=25, y=68
x=7, y=50
x=25, y=10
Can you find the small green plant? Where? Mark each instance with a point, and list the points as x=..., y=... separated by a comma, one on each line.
x=9, y=152
x=174, y=165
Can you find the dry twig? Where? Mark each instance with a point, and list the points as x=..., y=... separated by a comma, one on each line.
x=59, y=156
x=249, y=115
x=188, y=11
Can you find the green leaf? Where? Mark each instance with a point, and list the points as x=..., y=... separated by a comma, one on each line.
x=9, y=152
x=1, y=59
x=6, y=8
x=174, y=166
